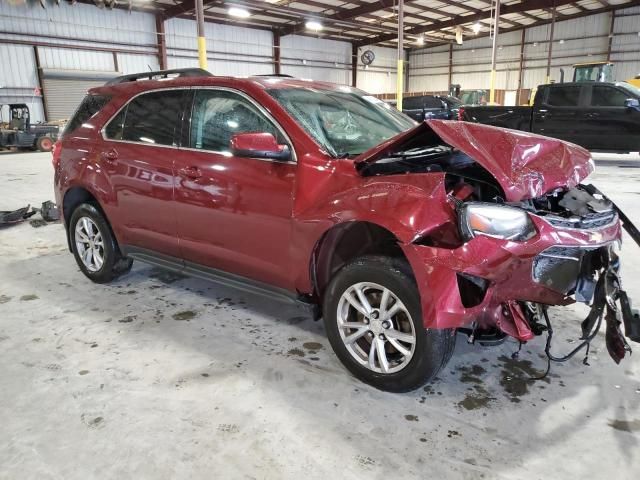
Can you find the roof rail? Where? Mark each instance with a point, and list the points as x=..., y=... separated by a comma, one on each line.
x=159, y=74
x=280, y=75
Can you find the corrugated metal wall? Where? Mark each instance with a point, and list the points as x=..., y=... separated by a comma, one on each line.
x=230, y=50
x=317, y=59
x=579, y=40
x=380, y=76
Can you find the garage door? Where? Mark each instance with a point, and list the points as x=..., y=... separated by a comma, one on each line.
x=65, y=89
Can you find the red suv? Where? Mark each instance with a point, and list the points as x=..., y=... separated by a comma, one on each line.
x=399, y=234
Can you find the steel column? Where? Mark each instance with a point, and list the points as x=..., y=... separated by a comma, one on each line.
x=496, y=28
x=202, y=42
x=400, y=69
x=162, y=43
x=553, y=24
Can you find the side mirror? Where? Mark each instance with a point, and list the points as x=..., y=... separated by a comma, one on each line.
x=632, y=103
x=259, y=145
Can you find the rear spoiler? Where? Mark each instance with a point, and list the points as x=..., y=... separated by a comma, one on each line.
x=160, y=74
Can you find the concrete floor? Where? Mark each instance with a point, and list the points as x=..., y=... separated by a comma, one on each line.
x=157, y=376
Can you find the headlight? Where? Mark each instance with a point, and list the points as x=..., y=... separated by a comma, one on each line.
x=498, y=221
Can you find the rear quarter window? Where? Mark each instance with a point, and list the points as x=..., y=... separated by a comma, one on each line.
x=90, y=106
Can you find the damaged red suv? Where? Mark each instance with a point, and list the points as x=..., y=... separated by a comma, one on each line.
x=398, y=234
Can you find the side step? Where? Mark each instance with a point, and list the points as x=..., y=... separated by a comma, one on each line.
x=231, y=280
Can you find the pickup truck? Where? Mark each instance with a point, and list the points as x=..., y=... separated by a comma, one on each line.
x=598, y=116
x=425, y=107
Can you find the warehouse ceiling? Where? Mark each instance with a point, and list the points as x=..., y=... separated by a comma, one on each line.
x=365, y=22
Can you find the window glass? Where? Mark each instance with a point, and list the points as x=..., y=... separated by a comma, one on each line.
x=116, y=126
x=154, y=118
x=90, y=105
x=412, y=103
x=218, y=115
x=432, y=102
x=604, y=96
x=564, y=96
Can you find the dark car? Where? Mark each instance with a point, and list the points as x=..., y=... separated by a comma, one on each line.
x=425, y=107
x=398, y=234
x=595, y=115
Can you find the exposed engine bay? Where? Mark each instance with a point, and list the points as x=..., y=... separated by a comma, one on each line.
x=582, y=273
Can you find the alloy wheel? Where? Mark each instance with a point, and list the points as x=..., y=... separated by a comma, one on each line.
x=376, y=327
x=89, y=244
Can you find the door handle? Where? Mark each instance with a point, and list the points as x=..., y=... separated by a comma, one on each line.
x=191, y=173
x=110, y=155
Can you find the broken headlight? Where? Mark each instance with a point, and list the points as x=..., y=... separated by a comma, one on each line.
x=498, y=221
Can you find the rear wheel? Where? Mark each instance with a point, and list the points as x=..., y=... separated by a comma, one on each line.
x=373, y=320
x=44, y=144
x=94, y=246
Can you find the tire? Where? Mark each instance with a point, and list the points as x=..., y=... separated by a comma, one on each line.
x=88, y=218
x=421, y=361
x=44, y=144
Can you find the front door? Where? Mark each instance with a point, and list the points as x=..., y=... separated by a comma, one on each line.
x=559, y=115
x=234, y=214
x=138, y=151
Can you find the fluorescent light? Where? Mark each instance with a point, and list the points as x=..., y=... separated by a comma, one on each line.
x=238, y=12
x=476, y=27
x=313, y=25
x=420, y=40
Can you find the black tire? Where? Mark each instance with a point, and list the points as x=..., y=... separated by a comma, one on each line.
x=44, y=144
x=114, y=264
x=433, y=348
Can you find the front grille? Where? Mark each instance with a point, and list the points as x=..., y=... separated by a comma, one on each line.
x=589, y=221
x=559, y=268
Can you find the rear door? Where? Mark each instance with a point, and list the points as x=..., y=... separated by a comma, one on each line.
x=138, y=151
x=234, y=214
x=559, y=114
x=609, y=124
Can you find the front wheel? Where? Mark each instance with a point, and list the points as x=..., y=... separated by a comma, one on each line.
x=373, y=319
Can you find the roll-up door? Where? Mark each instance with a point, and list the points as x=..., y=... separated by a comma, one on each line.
x=65, y=89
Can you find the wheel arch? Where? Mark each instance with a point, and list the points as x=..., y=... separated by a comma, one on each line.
x=72, y=199
x=346, y=241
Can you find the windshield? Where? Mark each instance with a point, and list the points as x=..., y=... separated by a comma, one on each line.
x=344, y=123
x=453, y=102
x=630, y=88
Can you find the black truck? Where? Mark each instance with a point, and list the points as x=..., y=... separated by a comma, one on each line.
x=425, y=107
x=601, y=116
x=19, y=132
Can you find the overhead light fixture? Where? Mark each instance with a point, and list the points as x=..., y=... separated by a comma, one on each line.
x=313, y=25
x=561, y=42
x=420, y=40
x=238, y=12
x=535, y=44
x=476, y=27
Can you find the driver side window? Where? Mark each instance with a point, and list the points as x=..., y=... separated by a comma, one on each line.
x=219, y=114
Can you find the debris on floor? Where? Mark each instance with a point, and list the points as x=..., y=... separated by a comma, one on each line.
x=15, y=216
x=49, y=213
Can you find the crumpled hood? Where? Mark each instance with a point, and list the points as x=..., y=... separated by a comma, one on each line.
x=524, y=164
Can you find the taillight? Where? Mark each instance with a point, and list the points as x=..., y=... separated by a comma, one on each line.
x=56, y=151
x=461, y=113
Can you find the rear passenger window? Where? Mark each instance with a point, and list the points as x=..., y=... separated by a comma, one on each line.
x=603, y=96
x=412, y=103
x=154, y=118
x=90, y=105
x=564, y=96
x=432, y=102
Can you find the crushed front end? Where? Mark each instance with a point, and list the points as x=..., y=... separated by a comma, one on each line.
x=527, y=235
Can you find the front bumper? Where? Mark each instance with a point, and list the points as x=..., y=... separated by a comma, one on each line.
x=483, y=280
